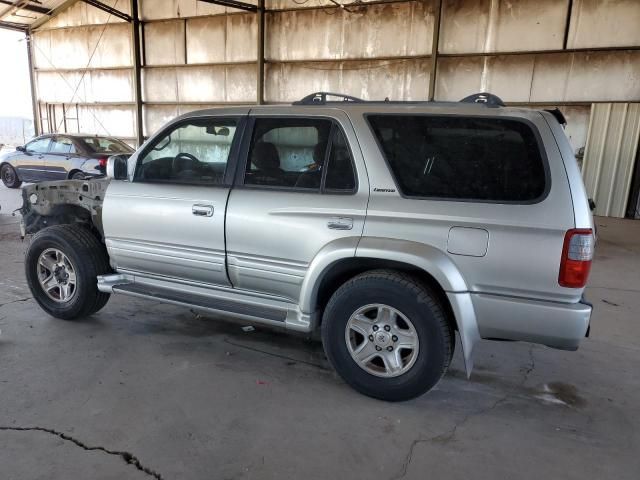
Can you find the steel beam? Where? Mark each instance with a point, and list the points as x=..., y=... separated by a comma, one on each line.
x=435, y=44
x=110, y=10
x=32, y=83
x=233, y=4
x=260, y=54
x=28, y=7
x=16, y=27
x=137, y=70
x=53, y=13
x=567, y=25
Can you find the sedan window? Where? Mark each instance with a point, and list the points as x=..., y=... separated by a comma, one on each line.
x=62, y=145
x=39, y=145
x=105, y=145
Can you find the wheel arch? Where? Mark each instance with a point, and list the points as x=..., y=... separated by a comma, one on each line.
x=73, y=172
x=331, y=268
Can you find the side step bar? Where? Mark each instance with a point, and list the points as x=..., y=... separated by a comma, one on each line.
x=237, y=309
x=223, y=302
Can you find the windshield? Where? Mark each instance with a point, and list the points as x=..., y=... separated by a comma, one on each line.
x=106, y=145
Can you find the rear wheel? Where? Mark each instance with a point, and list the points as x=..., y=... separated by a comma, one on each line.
x=9, y=176
x=387, y=335
x=62, y=265
x=78, y=176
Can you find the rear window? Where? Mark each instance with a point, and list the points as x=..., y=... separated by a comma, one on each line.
x=474, y=158
x=105, y=145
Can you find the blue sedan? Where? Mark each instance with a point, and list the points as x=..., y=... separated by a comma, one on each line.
x=58, y=157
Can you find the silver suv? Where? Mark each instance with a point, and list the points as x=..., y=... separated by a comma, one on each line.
x=385, y=227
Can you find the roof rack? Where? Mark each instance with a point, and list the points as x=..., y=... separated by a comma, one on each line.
x=488, y=99
x=320, y=98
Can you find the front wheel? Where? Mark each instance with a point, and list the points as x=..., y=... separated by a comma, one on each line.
x=9, y=176
x=387, y=335
x=62, y=265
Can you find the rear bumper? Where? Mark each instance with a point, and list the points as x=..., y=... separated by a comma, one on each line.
x=557, y=325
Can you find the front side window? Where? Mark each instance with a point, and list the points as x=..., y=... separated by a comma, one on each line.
x=40, y=145
x=299, y=153
x=196, y=151
x=472, y=158
x=62, y=145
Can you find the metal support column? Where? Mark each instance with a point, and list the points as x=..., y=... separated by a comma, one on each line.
x=137, y=71
x=260, y=53
x=32, y=81
x=434, y=50
x=567, y=25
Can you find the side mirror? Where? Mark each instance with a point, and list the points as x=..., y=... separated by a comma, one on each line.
x=117, y=167
x=21, y=148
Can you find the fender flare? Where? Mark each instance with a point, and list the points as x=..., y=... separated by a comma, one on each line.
x=425, y=257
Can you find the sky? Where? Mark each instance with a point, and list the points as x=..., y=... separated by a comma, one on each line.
x=15, y=91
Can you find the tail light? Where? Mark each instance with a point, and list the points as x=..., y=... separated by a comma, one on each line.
x=577, y=254
x=102, y=162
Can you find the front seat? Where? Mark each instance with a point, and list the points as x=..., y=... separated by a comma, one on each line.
x=266, y=160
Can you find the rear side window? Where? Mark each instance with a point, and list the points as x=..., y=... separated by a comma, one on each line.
x=62, y=145
x=473, y=158
x=309, y=154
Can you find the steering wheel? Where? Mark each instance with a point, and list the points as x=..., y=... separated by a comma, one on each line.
x=176, y=159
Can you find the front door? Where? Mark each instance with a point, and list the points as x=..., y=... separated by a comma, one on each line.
x=30, y=163
x=302, y=190
x=169, y=220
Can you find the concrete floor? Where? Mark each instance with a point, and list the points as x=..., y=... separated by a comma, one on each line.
x=144, y=390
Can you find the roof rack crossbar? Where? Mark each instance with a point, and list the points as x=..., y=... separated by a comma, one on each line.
x=485, y=98
x=320, y=98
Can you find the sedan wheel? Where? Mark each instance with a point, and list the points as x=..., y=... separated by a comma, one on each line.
x=9, y=176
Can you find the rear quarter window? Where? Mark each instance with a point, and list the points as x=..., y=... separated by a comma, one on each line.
x=462, y=158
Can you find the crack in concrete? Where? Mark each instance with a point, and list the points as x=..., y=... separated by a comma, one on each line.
x=128, y=457
x=530, y=367
x=444, y=437
x=16, y=301
x=277, y=355
x=449, y=436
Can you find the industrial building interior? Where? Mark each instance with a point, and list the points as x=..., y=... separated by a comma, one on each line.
x=144, y=389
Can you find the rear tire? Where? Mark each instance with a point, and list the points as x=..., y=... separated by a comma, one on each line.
x=62, y=265
x=387, y=335
x=9, y=176
x=78, y=176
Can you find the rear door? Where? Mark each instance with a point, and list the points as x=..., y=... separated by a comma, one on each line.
x=30, y=164
x=168, y=222
x=58, y=161
x=301, y=188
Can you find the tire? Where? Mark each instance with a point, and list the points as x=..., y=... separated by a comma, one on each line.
x=83, y=257
x=9, y=176
x=412, y=305
x=78, y=176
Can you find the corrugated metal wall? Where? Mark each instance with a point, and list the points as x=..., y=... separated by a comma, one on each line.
x=541, y=53
x=610, y=154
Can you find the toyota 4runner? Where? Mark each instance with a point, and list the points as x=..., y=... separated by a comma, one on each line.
x=386, y=227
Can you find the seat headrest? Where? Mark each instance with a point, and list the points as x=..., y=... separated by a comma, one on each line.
x=265, y=156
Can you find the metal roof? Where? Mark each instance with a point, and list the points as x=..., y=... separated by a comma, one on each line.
x=23, y=14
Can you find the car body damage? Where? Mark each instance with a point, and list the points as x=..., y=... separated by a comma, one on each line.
x=63, y=202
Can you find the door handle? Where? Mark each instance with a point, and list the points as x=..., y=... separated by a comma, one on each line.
x=340, y=223
x=202, y=210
